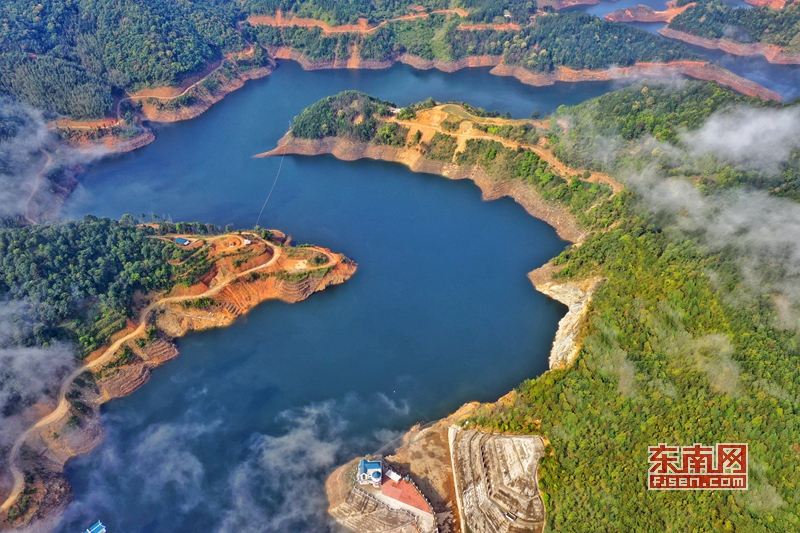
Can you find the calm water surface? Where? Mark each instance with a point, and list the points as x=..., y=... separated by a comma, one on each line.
x=783, y=79
x=240, y=431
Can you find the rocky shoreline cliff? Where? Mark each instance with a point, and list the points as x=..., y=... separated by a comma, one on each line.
x=700, y=70
x=772, y=53
x=424, y=450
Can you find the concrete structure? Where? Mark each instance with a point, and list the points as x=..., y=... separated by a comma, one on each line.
x=363, y=513
x=394, y=476
x=370, y=473
x=394, y=505
x=496, y=481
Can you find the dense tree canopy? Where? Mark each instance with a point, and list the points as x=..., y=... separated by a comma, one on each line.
x=69, y=56
x=620, y=132
x=573, y=39
x=713, y=19
x=60, y=269
x=350, y=114
x=66, y=55
x=677, y=349
x=336, y=12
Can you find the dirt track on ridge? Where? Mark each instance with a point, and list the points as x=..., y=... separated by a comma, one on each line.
x=429, y=123
x=63, y=403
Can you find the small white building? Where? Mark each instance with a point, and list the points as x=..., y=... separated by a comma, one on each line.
x=394, y=476
x=370, y=473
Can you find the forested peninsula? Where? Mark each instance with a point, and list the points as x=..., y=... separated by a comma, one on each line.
x=98, y=62
x=676, y=343
x=100, y=71
x=98, y=302
x=765, y=31
x=550, y=47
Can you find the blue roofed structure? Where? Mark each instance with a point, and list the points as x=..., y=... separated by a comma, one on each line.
x=182, y=241
x=97, y=528
x=370, y=472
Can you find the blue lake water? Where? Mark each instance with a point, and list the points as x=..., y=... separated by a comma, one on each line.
x=247, y=422
x=240, y=431
x=607, y=6
x=783, y=79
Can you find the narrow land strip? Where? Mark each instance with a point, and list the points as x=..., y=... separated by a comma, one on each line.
x=95, y=363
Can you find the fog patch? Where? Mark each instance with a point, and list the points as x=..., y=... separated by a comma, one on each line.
x=30, y=154
x=24, y=134
x=281, y=486
x=164, y=453
x=775, y=391
x=273, y=482
x=749, y=138
x=759, y=232
x=387, y=436
x=400, y=408
x=162, y=466
x=609, y=359
x=762, y=497
x=28, y=374
x=665, y=388
x=711, y=355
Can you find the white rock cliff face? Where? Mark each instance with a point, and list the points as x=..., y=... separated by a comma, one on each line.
x=577, y=295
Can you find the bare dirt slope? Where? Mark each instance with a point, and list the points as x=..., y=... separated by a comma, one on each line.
x=362, y=27
x=429, y=122
x=240, y=277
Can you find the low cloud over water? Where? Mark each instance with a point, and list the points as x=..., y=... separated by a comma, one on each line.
x=278, y=485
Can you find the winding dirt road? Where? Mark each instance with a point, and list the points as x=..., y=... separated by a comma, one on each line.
x=146, y=94
x=430, y=125
x=63, y=404
x=362, y=27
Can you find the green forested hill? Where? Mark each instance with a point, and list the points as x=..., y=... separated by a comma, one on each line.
x=336, y=116
x=572, y=39
x=679, y=347
x=77, y=278
x=67, y=55
x=660, y=110
x=60, y=269
x=336, y=12
x=713, y=19
x=619, y=133
x=70, y=56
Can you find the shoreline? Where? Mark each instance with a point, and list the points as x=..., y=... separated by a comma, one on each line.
x=560, y=219
x=643, y=13
x=45, y=447
x=116, y=144
x=425, y=452
x=700, y=70
x=576, y=295
x=772, y=53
